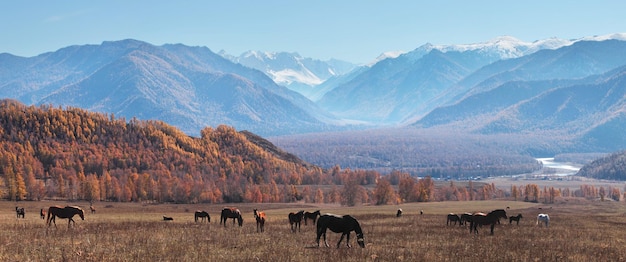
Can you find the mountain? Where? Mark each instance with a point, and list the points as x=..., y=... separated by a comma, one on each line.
x=611, y=167
x=292, y=70
x=189, y=87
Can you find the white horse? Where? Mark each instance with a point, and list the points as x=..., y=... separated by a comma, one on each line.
x=543, y=218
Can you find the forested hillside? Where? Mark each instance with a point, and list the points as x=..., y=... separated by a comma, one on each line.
x=611, y=167
x=48, y=152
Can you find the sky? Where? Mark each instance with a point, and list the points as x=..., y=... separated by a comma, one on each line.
x=350, y=30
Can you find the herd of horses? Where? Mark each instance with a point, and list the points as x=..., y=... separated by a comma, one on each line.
x=491, y=219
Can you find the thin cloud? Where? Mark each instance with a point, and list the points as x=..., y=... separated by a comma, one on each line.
x=59, y=18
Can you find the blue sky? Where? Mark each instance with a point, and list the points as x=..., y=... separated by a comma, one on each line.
x=355, y=31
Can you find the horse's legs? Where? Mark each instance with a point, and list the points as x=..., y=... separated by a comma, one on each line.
x=492, y=226
x=341, y=238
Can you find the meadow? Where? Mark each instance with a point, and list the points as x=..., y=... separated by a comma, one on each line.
x=580, y=230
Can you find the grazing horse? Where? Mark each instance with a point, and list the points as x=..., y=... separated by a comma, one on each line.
x=543, y=218
x=42, y=213
x=260, y=220
x=515, y=218
x=93, y=209
x=466, y=218
x=20, y=212
x=486, y=219
x=231, y=212
x=339, y=224
x=453, y=218
x=202, y=215
x=64, y=212
x=311, y=215
x=399, y=212
x=168, y=218
x=295, y=219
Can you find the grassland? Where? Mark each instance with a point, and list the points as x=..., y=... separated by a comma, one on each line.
x=579, y=231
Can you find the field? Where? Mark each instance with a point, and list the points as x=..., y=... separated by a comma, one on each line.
x=579, y=230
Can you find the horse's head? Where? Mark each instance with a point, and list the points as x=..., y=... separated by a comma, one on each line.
x=240, y=220
x=360, y=240
x=80, y=213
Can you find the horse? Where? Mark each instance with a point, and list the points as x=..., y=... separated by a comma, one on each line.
x=486, y=219
x=339, y=224
x=515, y=218
x=64, y=212
x=260, y=220
x=93, y=209
x=42, y=213
x=20, y=212
x=202, y=215
x=543, y=218
x=311, y=215
x=399, y=212
x=295, y=219
x=231, y=212
x=168, y=218
x=453, y=218
x=466, y=218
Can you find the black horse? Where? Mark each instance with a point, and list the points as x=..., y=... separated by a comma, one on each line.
x=231, y=212
x=453, y=218
x=466, y=218
x=64, y=212
x=486, y=219
x=339, y=224
x=20, y=212
x=295, y=219
x=202, y=215
x=515, y=218
x=399, y=212
x=311, y=215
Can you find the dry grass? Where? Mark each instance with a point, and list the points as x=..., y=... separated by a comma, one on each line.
x=579, y=231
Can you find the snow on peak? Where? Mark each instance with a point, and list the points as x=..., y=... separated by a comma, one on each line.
x=385, y=55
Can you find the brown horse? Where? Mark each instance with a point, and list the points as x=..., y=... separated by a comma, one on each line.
x=260, y=220
x=202, y=215
x=42, y=213
x=339, y=224
x=486, y=219
x=231, y=212
x=515, y=218
x=93, y=209
x=295, y=219
x=311, y=215
x=453, y=218
x=20, y=212
x=64, y=212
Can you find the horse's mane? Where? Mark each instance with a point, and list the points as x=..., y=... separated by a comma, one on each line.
x=355, y=223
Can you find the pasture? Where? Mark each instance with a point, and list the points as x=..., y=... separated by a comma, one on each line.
x=579, y=230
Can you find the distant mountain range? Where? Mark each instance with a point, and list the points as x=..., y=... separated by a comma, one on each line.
x=292, y=70
x=505, y=85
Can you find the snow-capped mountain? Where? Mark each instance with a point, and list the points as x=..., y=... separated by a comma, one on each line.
x=291, y=69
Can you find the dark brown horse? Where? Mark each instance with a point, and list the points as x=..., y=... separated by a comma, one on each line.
x=20, y=212
x=515, y=218
x=339, y=224
x=312, y=216
x=202, y=215
x=260, y=220
x=168, y=218
x=42, y=213
x=231, y=212
x=399, y=212
x=295, y=219
x=64, y=212
x=453, y=218
x=486, y=219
